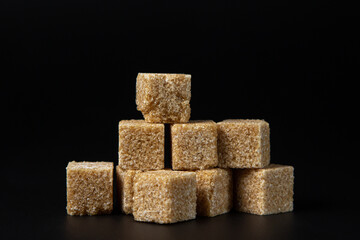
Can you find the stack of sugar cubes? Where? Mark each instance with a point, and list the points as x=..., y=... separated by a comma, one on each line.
x=215, y=166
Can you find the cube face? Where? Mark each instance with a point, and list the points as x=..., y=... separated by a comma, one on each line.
x=164, y=196
x=125, y=180
x=264, y=191
x=214, y=191
x=243, y=143
x=89, y=188
x=194, y=145
x=164, y=98
x=141, y=145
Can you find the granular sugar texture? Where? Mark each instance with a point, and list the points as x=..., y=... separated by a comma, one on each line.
x=141, y=145
x=243, y=143
x=194, y=145
x=164, y=98
x=89, y=188
x=264, y=191
x=214, y=191
x=164, y=196
x=125, y=180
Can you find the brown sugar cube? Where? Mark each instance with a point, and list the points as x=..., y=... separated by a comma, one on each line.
x=125, y=188
x=243, y=143
x=164, y=196
x=89, y=188
x=164, y=98
x=214, y=191
x=125, y=180
x=264, y=191
x=194, y=145
x=141, y=145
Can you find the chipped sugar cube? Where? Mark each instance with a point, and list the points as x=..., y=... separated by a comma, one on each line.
x=264, y=191
x=214, y=191
x=194, y=145
x=164, y=98
x=125, y=188
x=243, y=143
x=89, y=188
x=141, y=145
x=124, y=180
x=164, y=196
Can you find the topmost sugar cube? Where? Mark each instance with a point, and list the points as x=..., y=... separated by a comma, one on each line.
x=164, y=98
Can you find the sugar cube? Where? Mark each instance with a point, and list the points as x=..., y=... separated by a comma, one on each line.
x=124, y=180
x=264, y=191
x=214, y=191
x=89, y=188
x=194, y=145
x=164, y=196
x=141, y=145
x=243, y=143
x=164, y=98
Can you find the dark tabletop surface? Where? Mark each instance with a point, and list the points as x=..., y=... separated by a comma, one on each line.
x=300, y=224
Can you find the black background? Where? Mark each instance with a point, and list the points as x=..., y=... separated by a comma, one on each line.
x=68, y=76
